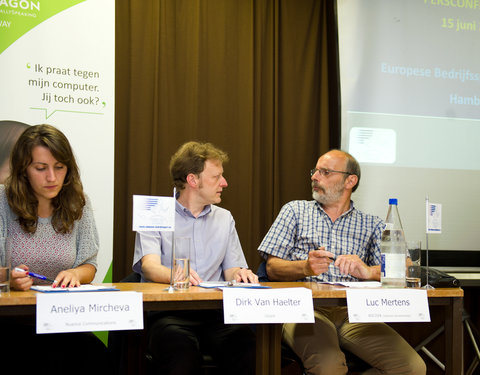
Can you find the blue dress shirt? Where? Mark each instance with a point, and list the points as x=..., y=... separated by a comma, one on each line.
x=215, y=246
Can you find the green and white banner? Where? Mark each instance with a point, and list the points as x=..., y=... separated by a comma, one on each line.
x=57, y=60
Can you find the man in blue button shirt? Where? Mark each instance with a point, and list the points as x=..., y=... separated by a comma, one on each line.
x=328, y=239
x=176, y=339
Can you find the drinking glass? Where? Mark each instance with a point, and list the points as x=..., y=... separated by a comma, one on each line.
x=413, y=274
x=4, y=265
x=181, y=264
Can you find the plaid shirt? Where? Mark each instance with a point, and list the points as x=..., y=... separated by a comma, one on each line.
x=302, y=226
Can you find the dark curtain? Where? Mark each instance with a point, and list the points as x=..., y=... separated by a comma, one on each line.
x=259, y=79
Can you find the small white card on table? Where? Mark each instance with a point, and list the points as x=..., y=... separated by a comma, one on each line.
x=92, y=311
x=152, y=213
x=387, y=305
x=282, y=305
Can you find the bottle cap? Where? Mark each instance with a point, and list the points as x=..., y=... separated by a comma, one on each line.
x=393, y=201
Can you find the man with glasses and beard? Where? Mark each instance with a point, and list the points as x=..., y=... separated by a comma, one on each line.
x=328, y=239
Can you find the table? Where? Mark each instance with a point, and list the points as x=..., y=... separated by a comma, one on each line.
x=156, y=298
x=329, y=295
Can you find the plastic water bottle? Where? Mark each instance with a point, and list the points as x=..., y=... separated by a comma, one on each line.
x=393, y=247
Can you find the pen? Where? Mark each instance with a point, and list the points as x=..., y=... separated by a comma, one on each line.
x=325, y=247
x=36, y=275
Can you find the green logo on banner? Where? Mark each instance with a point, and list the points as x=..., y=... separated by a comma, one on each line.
x=17, y=17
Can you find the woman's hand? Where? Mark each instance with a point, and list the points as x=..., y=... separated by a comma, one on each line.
x=74, y=277
x=67, y=279
x=20, y=280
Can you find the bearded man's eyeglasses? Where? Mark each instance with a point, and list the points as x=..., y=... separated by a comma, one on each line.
x=326, y=172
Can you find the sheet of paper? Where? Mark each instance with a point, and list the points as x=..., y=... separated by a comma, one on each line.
x=230, y=284
x=81, y=288
x=153, y=213
x=356, y=284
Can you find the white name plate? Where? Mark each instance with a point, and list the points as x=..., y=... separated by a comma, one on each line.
x=387, y=305
x=289, y=305
x=93, y=311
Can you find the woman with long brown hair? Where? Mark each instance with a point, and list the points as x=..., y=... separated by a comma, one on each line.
x=48, y=220
x=49, y=225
